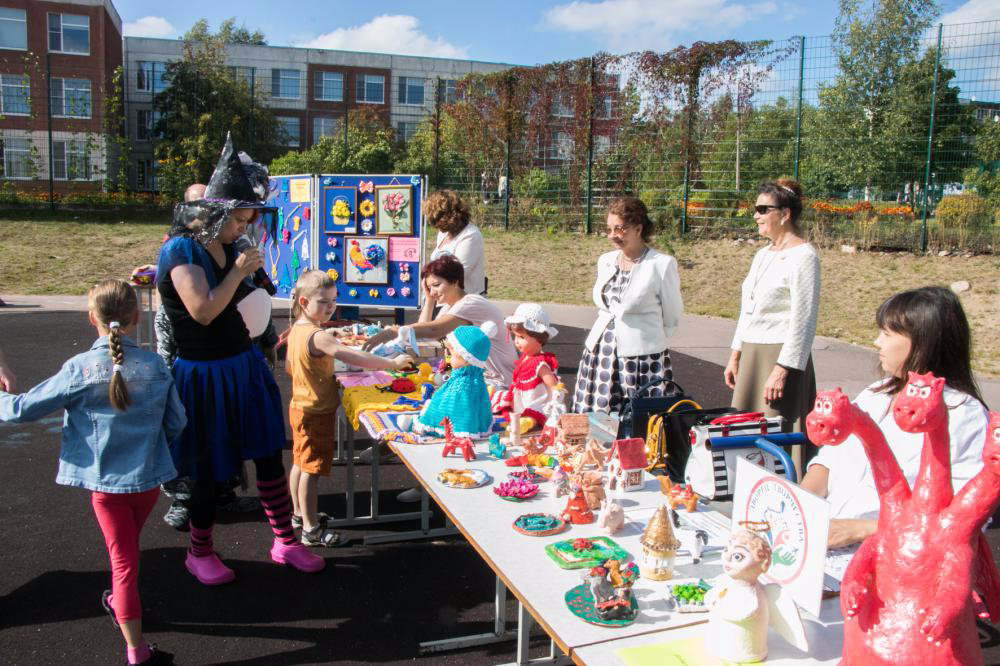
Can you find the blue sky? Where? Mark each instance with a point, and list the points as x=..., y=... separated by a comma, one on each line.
x=515, y=31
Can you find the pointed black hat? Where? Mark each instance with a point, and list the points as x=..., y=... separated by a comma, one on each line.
x=230, y=181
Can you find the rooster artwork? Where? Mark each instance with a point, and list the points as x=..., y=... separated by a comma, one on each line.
x=366, y=261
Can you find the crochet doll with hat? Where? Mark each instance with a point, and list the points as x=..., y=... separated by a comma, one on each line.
x=463, y=398
x=535, y=383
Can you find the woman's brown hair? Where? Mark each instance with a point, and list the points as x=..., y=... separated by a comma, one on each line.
x=446, y=267
x=633, y=212
x=542, y=337
x=445, y=210
x=786, y=193
x=114, y=304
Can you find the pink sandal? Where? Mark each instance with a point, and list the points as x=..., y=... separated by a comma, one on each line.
x=208, y=569
x=296, y=555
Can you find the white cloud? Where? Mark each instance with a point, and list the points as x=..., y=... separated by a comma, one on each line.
x=150, y=26
x=973, y=11
x=386, y=34
x=629, y=25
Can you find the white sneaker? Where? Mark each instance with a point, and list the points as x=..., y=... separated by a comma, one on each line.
x=409, y=496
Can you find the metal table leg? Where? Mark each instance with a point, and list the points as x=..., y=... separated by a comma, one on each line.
x=498, y=635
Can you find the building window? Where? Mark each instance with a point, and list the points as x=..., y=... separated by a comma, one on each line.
x=405, y=129
x=290, y=129
x=371, y=89
x=323, y=126
x=151, y=76
x=285, y=83
x=328, y=86
x=562, y=146
x=145, y=175
x=411, y=90
x=71, y=98
x=604, y=106
x=145, y=122
x=69, y=33
x=602, y=144
x=16, y=158
x=449, y=91
x=13, y=29
x=245, y=75
x=14, y=100
x=562, y=106
x=70, y=160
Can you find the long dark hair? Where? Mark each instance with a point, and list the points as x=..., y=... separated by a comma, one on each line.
x=940, y=342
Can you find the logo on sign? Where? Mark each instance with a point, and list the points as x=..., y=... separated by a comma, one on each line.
x=772, y=501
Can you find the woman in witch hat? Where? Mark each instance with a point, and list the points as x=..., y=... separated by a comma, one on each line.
x=233, y=405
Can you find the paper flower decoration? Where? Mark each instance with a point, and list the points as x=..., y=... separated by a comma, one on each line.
x=404, y=276
x=341, y=211
x=331, y=241
x=366, y=186
x=405, y=292
x=373, y=293
x=353, y=293
x=333, y=274
x=366, y=225
x=331, y=256
x=414, y=180
x=394, y=205
x=367, y=207
x=390, y=292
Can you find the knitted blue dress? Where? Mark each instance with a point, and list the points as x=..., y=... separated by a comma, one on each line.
x=465, y=400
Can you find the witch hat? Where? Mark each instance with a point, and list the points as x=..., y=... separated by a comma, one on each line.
x=229, y=181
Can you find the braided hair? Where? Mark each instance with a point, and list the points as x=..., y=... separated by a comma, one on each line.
x=114, y=304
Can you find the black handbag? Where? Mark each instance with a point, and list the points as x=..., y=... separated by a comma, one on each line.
x=633, y=416
x=668, y=441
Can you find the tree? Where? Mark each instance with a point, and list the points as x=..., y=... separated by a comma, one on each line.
x=986, y=174
x=369, y=149
x=203, y=102
x=874, y=42
x=228, y=33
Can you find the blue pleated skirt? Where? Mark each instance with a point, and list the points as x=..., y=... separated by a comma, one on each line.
x=234, y=414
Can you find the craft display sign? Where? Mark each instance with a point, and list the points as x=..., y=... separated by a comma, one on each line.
x=364, y=231
x=795, y=522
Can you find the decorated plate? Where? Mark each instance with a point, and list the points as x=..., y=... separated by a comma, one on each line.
x=580, y=602
x=539, y=524
x=585, y=553
x=516, y=490
x=463, y=478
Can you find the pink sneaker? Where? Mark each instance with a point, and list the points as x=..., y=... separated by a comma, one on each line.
x=297, y=555
x=208, y=569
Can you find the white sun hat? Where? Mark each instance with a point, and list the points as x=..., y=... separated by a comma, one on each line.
x=532, y=317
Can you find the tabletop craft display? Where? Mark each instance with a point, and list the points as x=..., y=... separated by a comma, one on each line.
x=539, y=524
x=580, y=553
x=516, y=490
x=464, y=478
x=605, y=598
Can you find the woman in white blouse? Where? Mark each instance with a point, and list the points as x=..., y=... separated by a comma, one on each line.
x=457, y=236
x=770, y=368
x=638, y=297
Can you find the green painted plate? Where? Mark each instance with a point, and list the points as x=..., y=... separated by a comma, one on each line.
x=580, y=602
x=604, y=548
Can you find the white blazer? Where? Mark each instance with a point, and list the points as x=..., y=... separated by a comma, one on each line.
x=649, y=310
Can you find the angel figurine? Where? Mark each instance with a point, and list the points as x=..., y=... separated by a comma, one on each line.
x=741, y=608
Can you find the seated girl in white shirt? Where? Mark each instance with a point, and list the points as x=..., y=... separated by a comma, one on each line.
x=920, y=330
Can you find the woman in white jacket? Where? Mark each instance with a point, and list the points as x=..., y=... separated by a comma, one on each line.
x=638, y=297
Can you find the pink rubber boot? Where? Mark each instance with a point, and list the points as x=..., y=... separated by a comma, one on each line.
x=296, y=555
x=208, y=569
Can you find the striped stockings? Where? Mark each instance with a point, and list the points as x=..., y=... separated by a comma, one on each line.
x=278, y=507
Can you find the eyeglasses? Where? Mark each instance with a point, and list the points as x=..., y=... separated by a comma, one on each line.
x=617, y=230
x=762, y=209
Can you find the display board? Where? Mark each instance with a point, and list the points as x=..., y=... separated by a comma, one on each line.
x=365, y=231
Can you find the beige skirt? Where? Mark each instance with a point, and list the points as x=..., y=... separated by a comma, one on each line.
x=756, y=363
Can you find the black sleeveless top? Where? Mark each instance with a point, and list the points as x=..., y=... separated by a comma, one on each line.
x=224, y=336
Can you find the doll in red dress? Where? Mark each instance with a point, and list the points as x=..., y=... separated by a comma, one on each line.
x=535, y=384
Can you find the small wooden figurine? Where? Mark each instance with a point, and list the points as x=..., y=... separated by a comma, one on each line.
x=560, y=480
x=577, y=511
x=611, y=586
x=594, y=454
x=592, y=485
x=456, y=444
x=659, y=547
x=626, y=464
x=678, y=494
x=741, y=608
x=611, y=518
x=497, y=448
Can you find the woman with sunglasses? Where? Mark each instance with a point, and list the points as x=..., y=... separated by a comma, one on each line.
x=638, y=297
x=770, y=368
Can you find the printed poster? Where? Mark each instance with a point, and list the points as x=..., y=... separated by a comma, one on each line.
x=299, y=190
x=404, y=249
x=794, y=521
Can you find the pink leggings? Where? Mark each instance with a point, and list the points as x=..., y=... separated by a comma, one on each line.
x=121, y=517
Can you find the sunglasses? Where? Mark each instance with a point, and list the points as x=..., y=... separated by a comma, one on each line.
x=762, y=209
x=617, y=230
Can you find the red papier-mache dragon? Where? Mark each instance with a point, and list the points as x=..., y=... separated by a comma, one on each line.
x=456, y=444
x=907, y=595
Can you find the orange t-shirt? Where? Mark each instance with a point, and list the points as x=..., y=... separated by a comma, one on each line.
x=314, y=388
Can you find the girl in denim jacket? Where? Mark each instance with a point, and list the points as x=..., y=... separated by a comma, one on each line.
x=121, y=411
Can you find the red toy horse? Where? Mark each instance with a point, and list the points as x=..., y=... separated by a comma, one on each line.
x=907, y=595
x=455, y=443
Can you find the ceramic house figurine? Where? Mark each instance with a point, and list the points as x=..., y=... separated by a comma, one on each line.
x=741, y=608
x=577, y=511
x=611, y=517
x=573, y=432
x=626, y=464
x=659, y=547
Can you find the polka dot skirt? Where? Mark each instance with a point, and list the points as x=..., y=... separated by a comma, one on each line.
x=604, y=379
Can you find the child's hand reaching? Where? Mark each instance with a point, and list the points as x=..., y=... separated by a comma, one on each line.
x=404, y=362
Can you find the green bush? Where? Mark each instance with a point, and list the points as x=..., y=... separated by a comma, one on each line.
x=962, y=210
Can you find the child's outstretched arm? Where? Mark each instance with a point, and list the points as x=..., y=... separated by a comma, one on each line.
x=7, y=380
x=327, y=343
x=52, y=394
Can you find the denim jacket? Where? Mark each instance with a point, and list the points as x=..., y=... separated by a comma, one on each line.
x=103, y=449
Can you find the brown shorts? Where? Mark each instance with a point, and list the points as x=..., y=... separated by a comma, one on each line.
x=312, y=440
